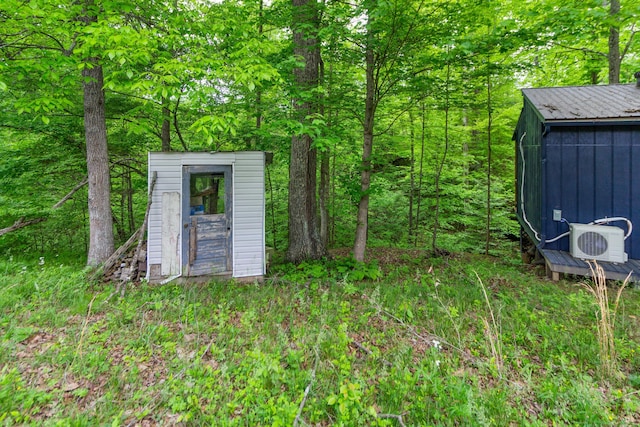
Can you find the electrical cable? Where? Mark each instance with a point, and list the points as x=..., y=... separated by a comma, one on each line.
x=526, y=220
x=524, y=213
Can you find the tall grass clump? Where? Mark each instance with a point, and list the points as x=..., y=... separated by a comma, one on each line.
x=492, y=331
x=606, y=319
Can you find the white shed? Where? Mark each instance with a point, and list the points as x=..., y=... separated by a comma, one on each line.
x=207, y=215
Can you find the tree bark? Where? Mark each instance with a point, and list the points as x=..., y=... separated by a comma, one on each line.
x=165, y=132
x=412, y=176
x=323, y=192
x=100, y=220
x=423, y=138
x=304, y=238
x=325, y=180
x=614, y=44
x=440, y=168
x=489, y=160
x=362, y=225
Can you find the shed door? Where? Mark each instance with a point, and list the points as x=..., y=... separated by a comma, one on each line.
x=207, y=203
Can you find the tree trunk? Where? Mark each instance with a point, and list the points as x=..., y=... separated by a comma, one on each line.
x=304, y=238
x=421, y=169
x=323, y=192
x=165, y=133
x=362, y=224
x=256, y=138
x=436, y=214
x=100, y=219
x=489, y=159
x=614, y=44
x=412, y=176
x=325, y=180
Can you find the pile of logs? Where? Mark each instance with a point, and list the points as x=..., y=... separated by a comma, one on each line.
x=128, y=263
x=131, y=267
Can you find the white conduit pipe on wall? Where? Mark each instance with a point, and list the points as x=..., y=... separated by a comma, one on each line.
x=595, y=222
x=524, y=213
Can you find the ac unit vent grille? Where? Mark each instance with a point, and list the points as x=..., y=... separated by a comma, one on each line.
x=597, y=242
x=594, y=244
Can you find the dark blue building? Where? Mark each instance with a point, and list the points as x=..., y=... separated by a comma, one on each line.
x=578, y=161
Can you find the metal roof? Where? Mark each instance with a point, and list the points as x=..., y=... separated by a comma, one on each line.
x=586, y=103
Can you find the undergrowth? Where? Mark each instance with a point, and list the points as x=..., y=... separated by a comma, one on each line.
x=444, y=341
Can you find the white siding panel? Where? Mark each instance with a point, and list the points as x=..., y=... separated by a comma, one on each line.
x=248, y=242
x=196, y=159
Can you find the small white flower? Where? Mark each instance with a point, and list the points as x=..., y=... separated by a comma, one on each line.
x=41, y=262
x=436, y=344
x=438, y=363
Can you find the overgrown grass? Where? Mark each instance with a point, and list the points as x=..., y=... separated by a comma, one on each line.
x=417, y=345
x=606, y=323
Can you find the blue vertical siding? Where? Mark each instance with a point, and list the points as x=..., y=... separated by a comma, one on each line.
x=603, y=167
x=634, y=199
x=585, y=165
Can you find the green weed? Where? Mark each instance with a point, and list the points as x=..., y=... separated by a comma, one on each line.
x=313, y=346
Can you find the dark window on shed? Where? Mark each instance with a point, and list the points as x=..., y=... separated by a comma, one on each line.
x=207, y=194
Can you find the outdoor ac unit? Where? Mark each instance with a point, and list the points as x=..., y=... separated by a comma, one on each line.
x=597, y=242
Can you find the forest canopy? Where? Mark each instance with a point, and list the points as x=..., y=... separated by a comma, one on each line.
x=390, y=121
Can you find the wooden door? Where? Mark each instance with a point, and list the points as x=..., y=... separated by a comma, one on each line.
x=207, y=220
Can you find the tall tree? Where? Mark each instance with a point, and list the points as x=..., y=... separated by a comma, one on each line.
x=304, y=237
x=60, y=37
x=394, y=36
x=583, y=40
x=371, y=100
x=95, y=127
x=613, y=56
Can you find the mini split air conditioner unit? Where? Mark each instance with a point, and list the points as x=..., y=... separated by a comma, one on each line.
x=597, y=242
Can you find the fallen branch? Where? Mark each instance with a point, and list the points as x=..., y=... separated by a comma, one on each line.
x=138, y=235
x=132, y=271
x=307, y=390
x=71, y=193
x=428, y=340
x=369, y=352
x=110, y=262
x=20, y=223
x=146, y=218
x=397, y=417
x=133, y=267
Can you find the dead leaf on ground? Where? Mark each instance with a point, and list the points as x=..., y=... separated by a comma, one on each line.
x=71, y=386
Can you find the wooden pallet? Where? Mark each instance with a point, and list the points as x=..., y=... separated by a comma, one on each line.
x=558, y=262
